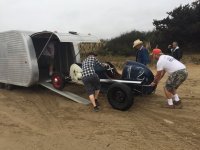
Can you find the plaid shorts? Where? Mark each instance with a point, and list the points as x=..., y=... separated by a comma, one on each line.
x=176, y=79
x=91, y=83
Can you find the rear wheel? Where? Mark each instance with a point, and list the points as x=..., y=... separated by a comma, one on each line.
x=58, y=81
x=120, y=96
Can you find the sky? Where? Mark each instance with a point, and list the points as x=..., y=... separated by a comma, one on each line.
x=103, y=18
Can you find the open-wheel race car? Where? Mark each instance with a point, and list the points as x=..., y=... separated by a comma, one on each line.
x=119, y=88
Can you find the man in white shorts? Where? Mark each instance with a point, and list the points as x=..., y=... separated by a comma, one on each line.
x=177, y=75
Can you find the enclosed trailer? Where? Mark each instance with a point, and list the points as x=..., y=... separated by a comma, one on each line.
x=21, y=55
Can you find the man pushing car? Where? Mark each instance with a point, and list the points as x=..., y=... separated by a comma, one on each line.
x=177, y=75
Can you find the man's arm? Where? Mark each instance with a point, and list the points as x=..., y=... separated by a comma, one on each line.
x=158, y=77
x=163, y=73
x=99, y=63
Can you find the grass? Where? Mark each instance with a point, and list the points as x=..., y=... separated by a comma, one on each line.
x=119, y=61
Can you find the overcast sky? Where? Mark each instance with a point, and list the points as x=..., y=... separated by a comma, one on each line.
x=103, y=18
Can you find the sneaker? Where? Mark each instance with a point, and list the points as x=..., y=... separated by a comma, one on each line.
x=96, y=109
x=97, y=102
x=178, y=104
x=166, y=105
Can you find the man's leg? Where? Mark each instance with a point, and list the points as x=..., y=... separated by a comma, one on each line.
x=172, y=93
x=96, y=97
x=96, y=94
x=169, y=96
x=92, y=99
x=175, y=96
x=169, y=90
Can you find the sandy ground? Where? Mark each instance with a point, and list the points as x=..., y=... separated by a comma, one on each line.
x=38, y=119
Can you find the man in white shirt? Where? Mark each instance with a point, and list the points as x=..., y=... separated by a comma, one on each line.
x=177, y=75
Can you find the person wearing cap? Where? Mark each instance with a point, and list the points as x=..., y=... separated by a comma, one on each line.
x=142, y=54
x=90, y=79
x=177, y=75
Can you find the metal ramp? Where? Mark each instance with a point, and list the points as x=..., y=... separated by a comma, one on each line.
x=66, y=94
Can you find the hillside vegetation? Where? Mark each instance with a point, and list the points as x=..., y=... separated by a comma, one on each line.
x=182, y=25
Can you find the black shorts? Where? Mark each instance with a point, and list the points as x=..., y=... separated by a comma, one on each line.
x=91, y=83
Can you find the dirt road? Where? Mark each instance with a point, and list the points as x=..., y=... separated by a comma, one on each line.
x=37, y=119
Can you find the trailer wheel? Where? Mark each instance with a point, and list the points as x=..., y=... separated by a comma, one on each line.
x=58, y=81
x=120, y=96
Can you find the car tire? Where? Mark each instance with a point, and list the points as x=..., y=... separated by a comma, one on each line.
x=120, y=96
x=58, y=81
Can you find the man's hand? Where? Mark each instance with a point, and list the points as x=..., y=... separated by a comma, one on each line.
x=158, y=77
x=153, y=84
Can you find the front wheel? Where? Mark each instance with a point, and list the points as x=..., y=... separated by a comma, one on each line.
x=120, y=96
x=58, y=81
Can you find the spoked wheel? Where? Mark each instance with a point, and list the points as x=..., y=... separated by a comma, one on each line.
x=120, y=96
x=58, y=81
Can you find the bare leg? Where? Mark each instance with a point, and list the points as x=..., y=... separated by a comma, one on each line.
x=174, y=92
x=175, y=96
x=176, y=102
x=168, y=94
x=97, y=94
x=171, y=94
x=92, y=99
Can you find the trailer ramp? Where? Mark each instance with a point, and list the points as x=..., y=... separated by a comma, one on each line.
x=66, y=94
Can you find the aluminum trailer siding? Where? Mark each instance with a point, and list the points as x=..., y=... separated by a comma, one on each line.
x=18, y=62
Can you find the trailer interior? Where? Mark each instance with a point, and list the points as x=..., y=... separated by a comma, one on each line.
x=64, y=55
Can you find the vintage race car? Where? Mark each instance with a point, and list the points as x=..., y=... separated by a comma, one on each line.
x=119, y=88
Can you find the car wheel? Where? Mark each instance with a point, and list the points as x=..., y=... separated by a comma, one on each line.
x=120, y=96
x=58, y=81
